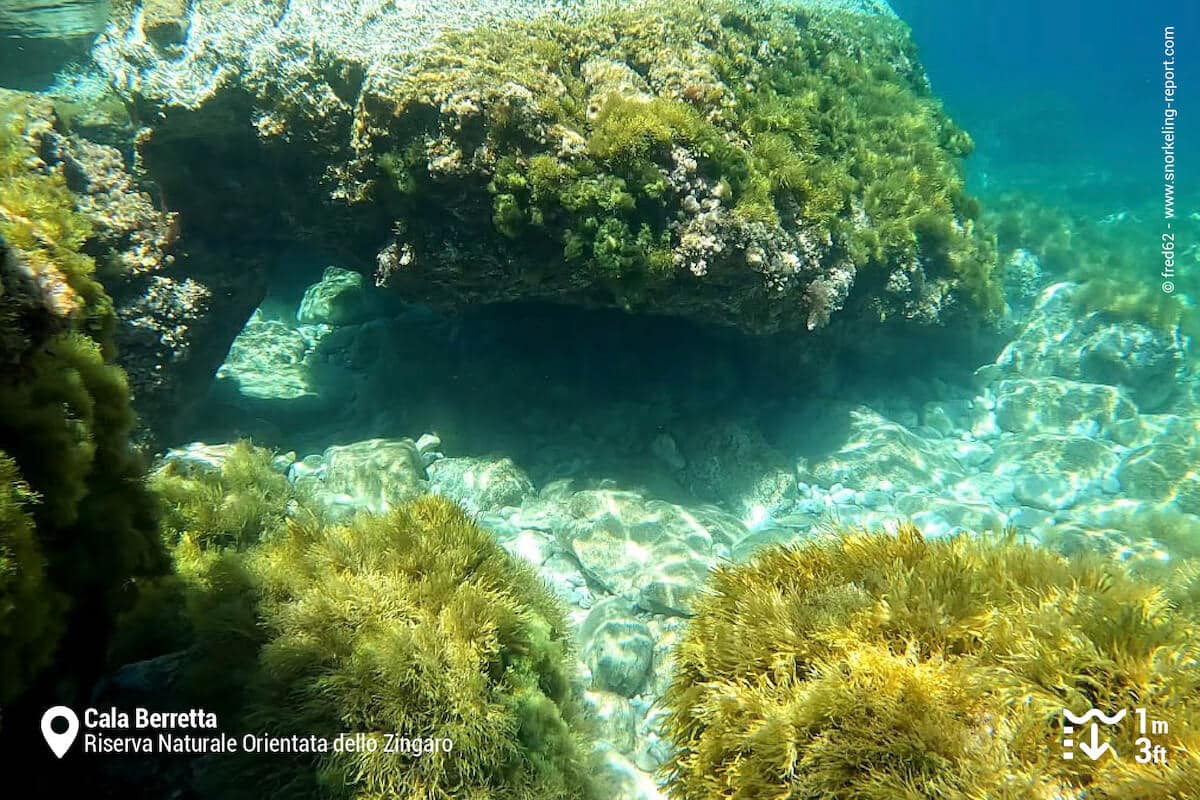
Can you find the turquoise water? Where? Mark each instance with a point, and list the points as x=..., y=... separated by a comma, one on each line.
x=647, y=291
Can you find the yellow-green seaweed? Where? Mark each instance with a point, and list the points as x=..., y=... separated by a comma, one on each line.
x=867, y=665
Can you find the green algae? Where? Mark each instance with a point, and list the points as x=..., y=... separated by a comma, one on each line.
x=881, y=666
x=415, y=623
x=814, y=125
x=65, y=418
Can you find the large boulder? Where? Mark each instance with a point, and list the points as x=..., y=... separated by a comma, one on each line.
x=1066, y=339
x=729, y=166
x=654, y=554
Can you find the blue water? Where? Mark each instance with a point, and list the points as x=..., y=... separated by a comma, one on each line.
x=1065, y=93
x=615, y=451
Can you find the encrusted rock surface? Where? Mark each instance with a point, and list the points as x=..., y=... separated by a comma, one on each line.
x=337, y=299
x=323, y=121
x=480, y=484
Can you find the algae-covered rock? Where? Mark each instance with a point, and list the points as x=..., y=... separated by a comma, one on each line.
x=613, y=717
x=76, y=522
x=887, y=665
x=765, y=166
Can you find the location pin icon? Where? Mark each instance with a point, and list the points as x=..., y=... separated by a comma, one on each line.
x=60, y=743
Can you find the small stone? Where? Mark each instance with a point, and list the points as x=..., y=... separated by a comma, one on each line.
x=480, y=484
x=1048, y=492
x=339, y=298
x=842, y=497
x=618, y=649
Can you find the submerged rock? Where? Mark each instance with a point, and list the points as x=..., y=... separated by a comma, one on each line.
x=1050, y=471
x=1163, y=473
x=480, y=484
x=337, y=299
x=1055, y=405
x=1065, y=340
x=613, y=717
x=40, y=37
x=733, y=463
x=617, y=647
x=878, y=454
x=622, y=155
x=267, y=361
x=376, y=474
x=652, y=553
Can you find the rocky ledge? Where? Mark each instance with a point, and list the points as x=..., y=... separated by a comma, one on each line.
x=764, y=166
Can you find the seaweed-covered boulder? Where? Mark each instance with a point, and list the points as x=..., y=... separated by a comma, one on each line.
x=177, y=309
x=76, y=521
x=767, y=166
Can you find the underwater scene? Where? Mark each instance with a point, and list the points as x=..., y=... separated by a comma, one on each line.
x=599, y=400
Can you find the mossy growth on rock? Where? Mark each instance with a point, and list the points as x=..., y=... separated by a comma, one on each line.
x=1108, y=257
x=416, y=624
x=38, y=218
x=30, y=611
x=65, y=421
x=241, y=502
x=866, y=665
x=207, y=510
x=628, y=158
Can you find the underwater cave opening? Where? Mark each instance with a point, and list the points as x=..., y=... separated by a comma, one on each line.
x=564, y=391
